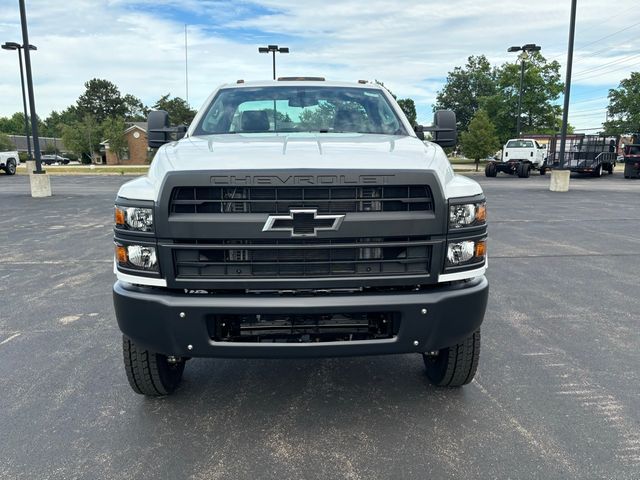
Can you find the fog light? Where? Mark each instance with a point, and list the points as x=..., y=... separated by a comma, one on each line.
x=143, y=257
x=460, y=252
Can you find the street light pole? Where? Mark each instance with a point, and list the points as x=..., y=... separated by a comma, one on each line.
x=529, y=47
x=273, y=49
x=18, y=48
x=567, y=86
x=32, y=102
x=519, y=125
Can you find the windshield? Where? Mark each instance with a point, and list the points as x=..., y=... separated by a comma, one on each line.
x=300, y=109
x=520, y=144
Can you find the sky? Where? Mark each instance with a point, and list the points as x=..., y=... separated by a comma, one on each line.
x=408, y=45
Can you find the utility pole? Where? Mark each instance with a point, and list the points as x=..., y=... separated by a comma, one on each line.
x=32, y=101
x=567, y=86
x=186, y=64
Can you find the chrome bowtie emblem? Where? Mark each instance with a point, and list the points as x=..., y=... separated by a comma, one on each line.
x=304, y=222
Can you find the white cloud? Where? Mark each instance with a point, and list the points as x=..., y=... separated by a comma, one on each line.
x=409, y=45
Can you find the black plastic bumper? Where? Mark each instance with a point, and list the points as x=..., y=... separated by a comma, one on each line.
x=176, y=323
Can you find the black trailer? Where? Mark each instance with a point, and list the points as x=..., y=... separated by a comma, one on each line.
x=590, y=154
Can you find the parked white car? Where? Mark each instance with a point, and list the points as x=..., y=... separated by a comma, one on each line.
x=9, y=161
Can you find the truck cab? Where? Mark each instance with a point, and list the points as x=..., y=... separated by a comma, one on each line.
x=632, y=161
x=519, y=157
x=299, y=218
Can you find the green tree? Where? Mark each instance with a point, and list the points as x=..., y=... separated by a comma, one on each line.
x=102, y=100
x=55, y=122
x=465, y=88
x=179, y=111
x=541, y=89
x=83, y=137
x=135, y=110
x=480, y=140
x=112, y=130
x=624, y=107
x=408, y=106
x=13, y=125
x=5, y=143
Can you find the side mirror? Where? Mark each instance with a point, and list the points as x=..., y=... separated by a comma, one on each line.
x=158, y=130
x=157, y=125
x=446, y=128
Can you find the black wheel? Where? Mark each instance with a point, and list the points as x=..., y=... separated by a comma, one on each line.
x=627, y=176
x=454, y=366
x=543, y=169
x=598, y=171
x=523, y=170
x=610, y=168
x=10, y=167
x=490, y=170
x=150, y=373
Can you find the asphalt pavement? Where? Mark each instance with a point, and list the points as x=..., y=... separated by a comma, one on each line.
x=557, y=395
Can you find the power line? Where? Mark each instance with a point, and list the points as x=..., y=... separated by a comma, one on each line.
x=605, y=65
x=601, y=38
x=611, y=34
x=591, y=100
x=623, y=67
x=590, y=110
x=608, y=48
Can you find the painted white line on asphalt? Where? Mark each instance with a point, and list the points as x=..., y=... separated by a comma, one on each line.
x=10, y=338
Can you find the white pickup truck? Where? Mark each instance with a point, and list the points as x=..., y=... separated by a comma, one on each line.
x=9, y=161
x=519, y=156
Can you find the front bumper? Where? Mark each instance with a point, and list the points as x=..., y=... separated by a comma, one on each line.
x=176, y=323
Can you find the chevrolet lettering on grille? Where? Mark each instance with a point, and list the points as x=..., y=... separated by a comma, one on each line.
x=302, y=223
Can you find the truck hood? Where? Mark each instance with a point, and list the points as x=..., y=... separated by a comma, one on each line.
x=298, y=151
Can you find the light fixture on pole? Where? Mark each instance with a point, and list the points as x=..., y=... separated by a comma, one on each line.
x=525, y=49
x=273, y=49
x=18, y=48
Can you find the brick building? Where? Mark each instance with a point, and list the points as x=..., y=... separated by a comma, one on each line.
x=137, y=151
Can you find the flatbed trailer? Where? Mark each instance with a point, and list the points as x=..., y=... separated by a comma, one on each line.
x=586, y=154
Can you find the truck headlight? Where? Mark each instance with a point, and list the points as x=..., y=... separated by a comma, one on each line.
x=467, y=215
x=137, y=257
x=134, y=218
x=466, y=252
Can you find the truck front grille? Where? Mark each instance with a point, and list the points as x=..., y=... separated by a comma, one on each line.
x=333, y=199
x=302, y=258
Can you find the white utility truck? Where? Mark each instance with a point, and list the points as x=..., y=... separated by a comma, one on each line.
x=519, y=157
x=299, y=218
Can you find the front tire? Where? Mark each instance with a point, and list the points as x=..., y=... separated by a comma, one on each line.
x=490, y=170
x=150, y=373
x=10, y=167
x=454, y=366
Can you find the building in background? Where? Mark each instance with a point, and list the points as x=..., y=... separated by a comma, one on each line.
x=50, y=145
x=137, y=151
